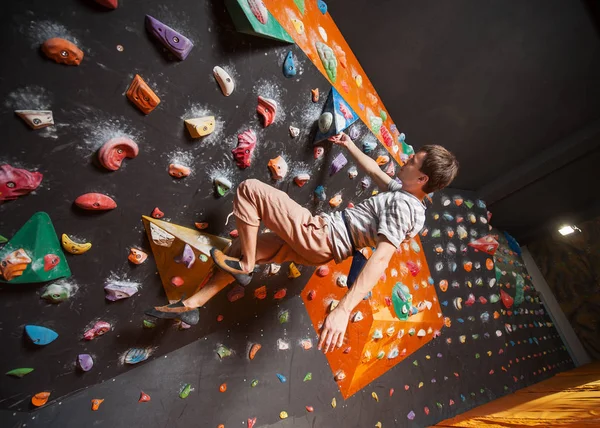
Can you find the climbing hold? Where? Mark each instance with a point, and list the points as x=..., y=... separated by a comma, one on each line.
x=318, y=152
x=382, y=160
x=200, y=126
x=358, y=79
x=177, y=281
x=3, y=240
x=20, y=372
x=120, y=290
x=223, y=387
x=267, y=108
x=74, y=247
x=507, y=300
x=274, y=269
x=293, y=271
x=289, y=68
x=140, y=94
x=278, y=167
x=222, y=185
x=36, y=119
x=179, y=45
x=311, y=295
x=261, y=292
x=57, y=292
x=201, y=226
x=15, y=182
x=253, y=350
x=358, y=316
x=179, y=171
x=284, y=317
x=298, y=25
x=85, y=362
x=335, y=201
x=137, y=257
x=254, y=383
x=148, y=324
x=136, y=355
x=322, y=33
x=421, y=333
x=310, y=409
x=95, y=202
x=323, y=271
x=236, y=293
x=320, y=193
x=185, y=391
x=40, y=335
x=100, y=328
x=251, y=422
x=388, y=139
x=365, y=182
x=111, y=4
x=369, y=146
x=281, y=378
x=112, y=153
x=50, y=261
x=187, y=257
x=245, y=148
x=378, y=425
x=375, y=397
x=322, y=6
x=342, y=281
x=40, y=398
x=377, y=334
x=375, y=124
x=333, y=403
x=352, y=172
x=390, y=170
x=14, y=264
x=328, y=59
x=338, y=163
x=157, y=213
x=234, y=233
x=62, y=51
x=325, y=122
x=301, y=179
x=294, y=132
x=307, y=377
x=144, y=398
x=223, y=352
x=340, y=375
x=224, y=80
x=315, y=95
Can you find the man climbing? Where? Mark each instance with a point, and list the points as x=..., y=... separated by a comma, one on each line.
x=383, y=221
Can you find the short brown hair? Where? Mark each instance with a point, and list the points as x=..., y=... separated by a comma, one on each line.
x=440, y=165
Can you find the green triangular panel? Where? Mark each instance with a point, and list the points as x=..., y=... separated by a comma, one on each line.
x=37, y=238
x=245, y=22
x=343, y=115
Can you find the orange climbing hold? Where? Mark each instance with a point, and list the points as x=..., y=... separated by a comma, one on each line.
x=201, y=226
x=280, y=294
x=40, y=398
x=489, y=264
x=261, y=292
x=96, y=403
x=253, y=350
x=223, y=387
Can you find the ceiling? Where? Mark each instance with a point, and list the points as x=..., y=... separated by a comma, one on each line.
x=512, y=88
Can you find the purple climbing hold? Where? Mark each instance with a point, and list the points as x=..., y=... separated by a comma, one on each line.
x=354, y=132
x=365, y=182
x=338, y=163
x=177, y=43
x=85, y=362
x=187, y=257
x=411, y=415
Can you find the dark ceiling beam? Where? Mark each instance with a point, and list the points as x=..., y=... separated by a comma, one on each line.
x=560, y=154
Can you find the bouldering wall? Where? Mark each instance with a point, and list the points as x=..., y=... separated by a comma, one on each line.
x=441, y=360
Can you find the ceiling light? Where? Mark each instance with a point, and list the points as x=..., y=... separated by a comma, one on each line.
x=566, y=230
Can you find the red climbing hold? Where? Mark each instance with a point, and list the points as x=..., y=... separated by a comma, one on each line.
x=413, y=268
x=144, y=398
x=507, y=300
x=310, y=409
x=386, y=136
x=251, y=422
x=50, y=261
x=234, y=233
x=280, y=294
x=220, y=318
x=177, y=281
x=487, y=244
x=157, y=213
x=311, y=295
x=323, y=271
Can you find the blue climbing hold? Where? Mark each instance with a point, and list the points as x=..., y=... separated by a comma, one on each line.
x=445, y=303
x=369, y=146
x=289, y=67
x=322, y=6
x=320, y=193
x=40, y=335
x=281, y=378
x=136, y=355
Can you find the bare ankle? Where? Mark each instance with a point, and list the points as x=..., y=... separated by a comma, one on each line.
x=246, y=267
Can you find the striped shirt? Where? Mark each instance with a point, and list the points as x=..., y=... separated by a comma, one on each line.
x=395, y=214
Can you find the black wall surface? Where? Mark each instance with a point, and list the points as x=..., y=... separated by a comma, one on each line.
x=90, y=107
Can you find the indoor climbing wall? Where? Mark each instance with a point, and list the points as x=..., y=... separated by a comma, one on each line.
x=116, y=111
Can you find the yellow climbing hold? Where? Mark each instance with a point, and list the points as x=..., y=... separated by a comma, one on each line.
x=375, y=397
x=74, y=247
x=283, y=415
x=333, y=403
x=420, y=384
x=294, y=272
x=378, y=424
x=358, y=80
x=298, y=25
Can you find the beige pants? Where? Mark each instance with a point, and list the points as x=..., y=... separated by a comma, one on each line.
x=296, y=235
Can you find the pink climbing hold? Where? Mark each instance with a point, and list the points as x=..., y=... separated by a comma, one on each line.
x=157, y=213
x=243, y=152
x=267, y=108
x=177, y=281
x=388, y=140
x=323, y=271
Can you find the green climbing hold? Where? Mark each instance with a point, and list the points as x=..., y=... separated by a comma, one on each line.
x=38, y=240
x=375, y=123
x=300, y=5
x=415, y=363
x=256, y=21
x=402, y=301
x=383, y=115
x=481, y=391
x=439, y=405
x=469, y=204
x=223, y=352
x=254, y=383
x=3, y=239
x=328, y=59
x=381, y=354
x=494, y=298
x=519, y=290
x=19, y=372
x=284, y=317
x=308, y=377
x=477, y=355
x=498, y=274
x=149, y=324
x=185, y=391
